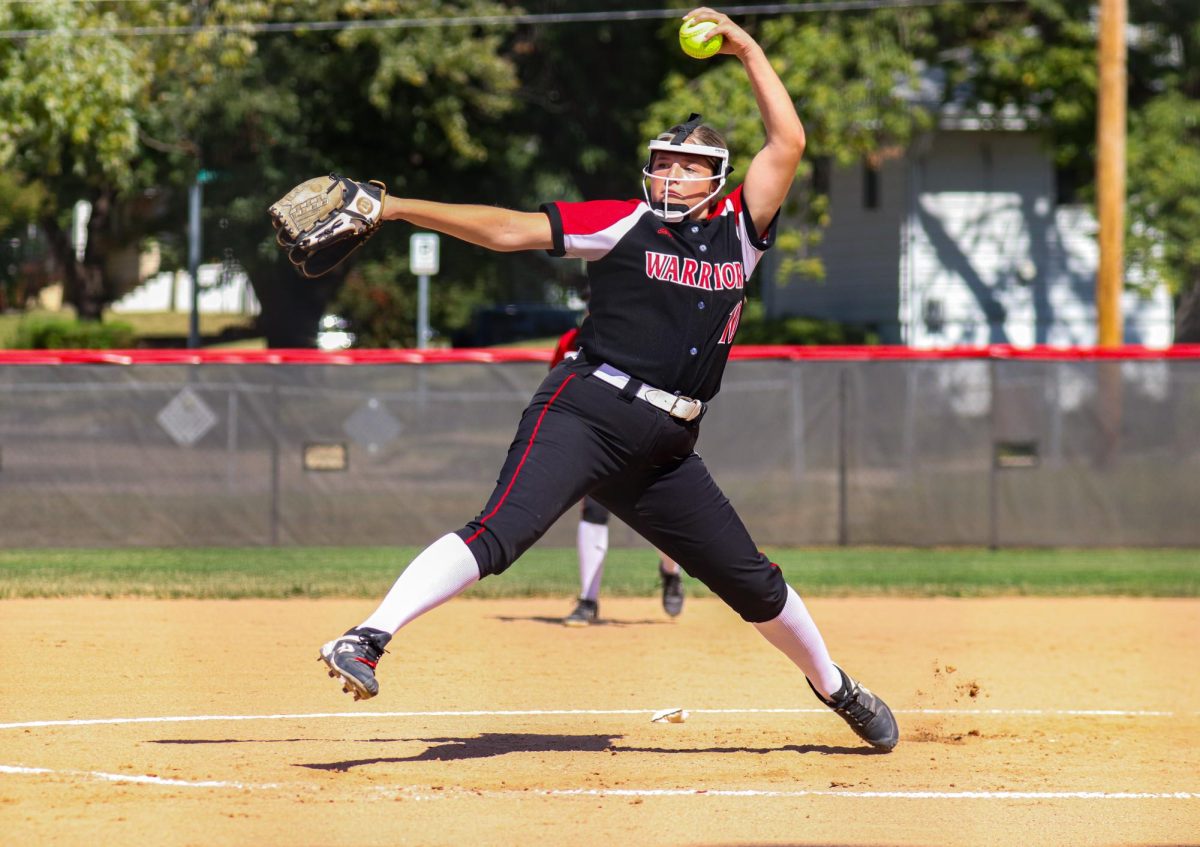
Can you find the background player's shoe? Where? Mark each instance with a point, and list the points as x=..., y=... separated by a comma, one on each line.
x=867, y=715
x=585, y=613
x=672, y=591
x=352, y=658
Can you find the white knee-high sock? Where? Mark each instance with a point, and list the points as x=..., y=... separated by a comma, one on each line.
x=592, y=541
x=797, y=636
x=443, y=570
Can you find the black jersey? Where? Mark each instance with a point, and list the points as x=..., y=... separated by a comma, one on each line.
x=666, y=298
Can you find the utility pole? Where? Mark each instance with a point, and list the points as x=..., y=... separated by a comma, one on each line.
x=1110, y=171
x=1110, y=199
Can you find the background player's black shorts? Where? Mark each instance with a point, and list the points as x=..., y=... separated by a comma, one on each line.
x=593, y=512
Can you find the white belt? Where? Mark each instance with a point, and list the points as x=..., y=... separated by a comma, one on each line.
x=684, y=408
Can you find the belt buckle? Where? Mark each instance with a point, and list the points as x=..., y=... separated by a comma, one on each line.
x=679, y=398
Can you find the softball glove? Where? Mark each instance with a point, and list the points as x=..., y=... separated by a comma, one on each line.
x=323, y=220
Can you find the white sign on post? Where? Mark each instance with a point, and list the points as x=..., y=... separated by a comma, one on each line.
x=423, y=253
x=422, y=262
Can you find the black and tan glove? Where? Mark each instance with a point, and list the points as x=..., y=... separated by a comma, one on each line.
x=323, y=220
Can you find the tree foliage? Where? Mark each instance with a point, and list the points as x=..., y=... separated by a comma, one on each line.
x=516, y=114
x=421, y=109
x=89, y=116
x=127, y=122
x=1042, y=55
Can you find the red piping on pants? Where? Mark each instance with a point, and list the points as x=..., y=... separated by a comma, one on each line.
x=524, y=456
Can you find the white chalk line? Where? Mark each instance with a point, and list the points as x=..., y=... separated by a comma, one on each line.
x=446, y=793
x=143, y=779
x=499, y=713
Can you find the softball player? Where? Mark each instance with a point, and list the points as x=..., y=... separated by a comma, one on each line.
x=592, y=543
x=619, y=421
x=591, y=539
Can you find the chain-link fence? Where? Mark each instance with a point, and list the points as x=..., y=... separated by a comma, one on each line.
x=858, y=450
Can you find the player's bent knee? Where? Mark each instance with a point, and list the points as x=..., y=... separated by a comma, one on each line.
x=491, y=553
x=758, y=595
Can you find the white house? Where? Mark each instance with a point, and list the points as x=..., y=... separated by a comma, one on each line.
x=960, y=240
x=221, y=292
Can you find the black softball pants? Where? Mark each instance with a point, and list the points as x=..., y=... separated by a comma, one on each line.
x=580, y=436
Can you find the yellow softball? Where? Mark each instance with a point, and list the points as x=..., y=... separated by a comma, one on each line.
x=691, y=39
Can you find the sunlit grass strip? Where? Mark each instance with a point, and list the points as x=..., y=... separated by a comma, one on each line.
x=365, y=572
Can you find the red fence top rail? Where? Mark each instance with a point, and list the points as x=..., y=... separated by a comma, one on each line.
x=493, y=355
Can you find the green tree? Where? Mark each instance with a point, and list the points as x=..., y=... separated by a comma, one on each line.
x=1043, y=55
x=515, y=115
x=90, y=114
x=126, y=121
x=21, y=204
x=1164, y=202
x=423, y=109
x=379, y=299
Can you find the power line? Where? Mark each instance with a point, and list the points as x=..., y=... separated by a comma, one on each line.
x=483, y=20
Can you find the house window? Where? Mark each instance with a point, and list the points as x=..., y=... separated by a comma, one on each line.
x=934, y=316
x=870, y=183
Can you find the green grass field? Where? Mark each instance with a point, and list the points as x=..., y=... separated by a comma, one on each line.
x=367, y=572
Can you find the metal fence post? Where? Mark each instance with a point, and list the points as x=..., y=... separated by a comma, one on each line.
x=275, y=435
x=993, y=478
x=797, y=397
x=231, y=440
x=843, y=450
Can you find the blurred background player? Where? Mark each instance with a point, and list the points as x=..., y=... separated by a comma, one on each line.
x=592, y=541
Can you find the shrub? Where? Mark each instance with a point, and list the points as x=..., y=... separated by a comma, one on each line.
x=70, y=334
x=755, y=329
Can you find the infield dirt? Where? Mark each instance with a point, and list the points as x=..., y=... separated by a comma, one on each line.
x=243, y=740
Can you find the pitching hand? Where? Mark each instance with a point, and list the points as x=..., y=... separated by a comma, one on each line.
x=737, y=40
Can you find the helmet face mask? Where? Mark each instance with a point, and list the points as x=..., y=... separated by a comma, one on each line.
x=673, y=212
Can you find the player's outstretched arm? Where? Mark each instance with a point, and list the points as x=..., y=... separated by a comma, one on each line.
x=774, y=166
x=503, y=230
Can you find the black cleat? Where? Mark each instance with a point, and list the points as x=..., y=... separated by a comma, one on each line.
x=352, y=659
x=585, y=613
x=672, y=592
x=867, y=715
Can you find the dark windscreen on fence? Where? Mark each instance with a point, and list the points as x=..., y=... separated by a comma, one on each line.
x=905, y=451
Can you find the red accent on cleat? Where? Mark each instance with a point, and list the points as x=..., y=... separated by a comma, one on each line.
x=366, y=662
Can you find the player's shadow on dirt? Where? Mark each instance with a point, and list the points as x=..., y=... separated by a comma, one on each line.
x=602, y=622
x=491, y=744
x=482, y=747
